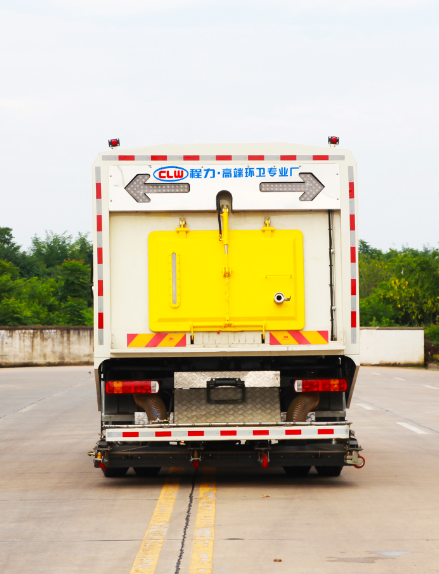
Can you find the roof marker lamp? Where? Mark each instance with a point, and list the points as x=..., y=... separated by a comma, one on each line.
x=114, y=142
x=333, y=140
x=132, y=387
x=320, y=385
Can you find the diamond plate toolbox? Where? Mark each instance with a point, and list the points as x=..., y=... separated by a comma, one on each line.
x=261, y=405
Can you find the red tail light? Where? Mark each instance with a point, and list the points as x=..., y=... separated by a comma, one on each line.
x=127, y=387
x=321, y=385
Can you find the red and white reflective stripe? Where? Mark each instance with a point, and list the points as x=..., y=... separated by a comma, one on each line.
x=99, y=254
x=218, y=433
x=353, y=256
x=209, y=158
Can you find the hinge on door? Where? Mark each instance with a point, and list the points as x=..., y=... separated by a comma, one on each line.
x=182, y=228
x=268, y=227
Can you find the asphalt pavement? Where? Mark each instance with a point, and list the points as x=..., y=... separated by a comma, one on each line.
x=60, y=515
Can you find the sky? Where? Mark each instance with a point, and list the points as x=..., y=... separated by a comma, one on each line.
x=76, y=73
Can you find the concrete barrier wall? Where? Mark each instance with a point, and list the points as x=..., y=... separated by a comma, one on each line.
x=391, y=346
x=25, y=346
x=21, y=346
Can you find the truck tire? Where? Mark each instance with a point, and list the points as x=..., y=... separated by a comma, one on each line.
x=114, y=472
x=298, y=471
x=329, y=470
x=147, y=471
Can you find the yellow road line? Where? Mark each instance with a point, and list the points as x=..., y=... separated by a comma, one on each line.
x=149, y=552
x=202, y=551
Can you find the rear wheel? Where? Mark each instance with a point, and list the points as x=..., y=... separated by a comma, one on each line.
x=147, y=471
x=114, y=472
x=329, y=470
x=297, y=470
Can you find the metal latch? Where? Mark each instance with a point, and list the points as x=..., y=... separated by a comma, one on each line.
x=280, y=298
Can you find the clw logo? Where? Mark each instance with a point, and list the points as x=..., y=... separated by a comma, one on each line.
x=171, y=173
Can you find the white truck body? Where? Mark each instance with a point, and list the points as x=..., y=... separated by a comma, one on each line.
x=141, y=193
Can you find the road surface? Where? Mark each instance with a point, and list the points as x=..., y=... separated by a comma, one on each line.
x=60, y=515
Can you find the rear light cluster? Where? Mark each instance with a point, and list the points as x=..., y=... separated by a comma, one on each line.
x=128, y=387
x=321, y=385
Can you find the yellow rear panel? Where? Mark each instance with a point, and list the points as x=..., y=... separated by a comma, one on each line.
x=189, y=290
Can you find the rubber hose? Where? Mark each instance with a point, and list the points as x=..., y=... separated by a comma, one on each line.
x=153, y=406
x=218, y=208
x=301, y=406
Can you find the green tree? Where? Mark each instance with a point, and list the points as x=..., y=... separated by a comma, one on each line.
x=409, y=292
x=74, y=311
x=82, y=249
x=9, y=274
x=41, y=296
x=48, y=253
x=10, y=251
x=14, y=312
x=74, y=279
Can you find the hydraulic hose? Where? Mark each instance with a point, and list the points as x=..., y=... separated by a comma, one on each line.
x=301, y=406
x=153, y=406
x=218, y=208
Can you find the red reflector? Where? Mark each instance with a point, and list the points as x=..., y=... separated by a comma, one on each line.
x=163, y=433
x=159, y=158
x=351, y=190
x=321, y=385
x=127, y=387
x=99, y=223
x=293, y=431
x=100, y=256
x=288, y=157
x=130, y=434
x=325, y=431
x=223, y=158
x=320, y=157
x=195, y=433
x=228, y=433
x=98, y=191
x=352, y=222
x=126, y=158
x=256, y=158
x=353, y=286
x=260, y=432
x=100, y=320
x=191, y=158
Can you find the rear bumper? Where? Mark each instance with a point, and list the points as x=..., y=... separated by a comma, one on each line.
x=318, y=454
x=321, y=444
x=195, y=433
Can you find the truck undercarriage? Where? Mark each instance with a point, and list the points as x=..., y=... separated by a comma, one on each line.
x=322, y=439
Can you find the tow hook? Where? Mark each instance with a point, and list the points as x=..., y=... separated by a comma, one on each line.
x=98, y=461
x=195, y=459
x=264, y=458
